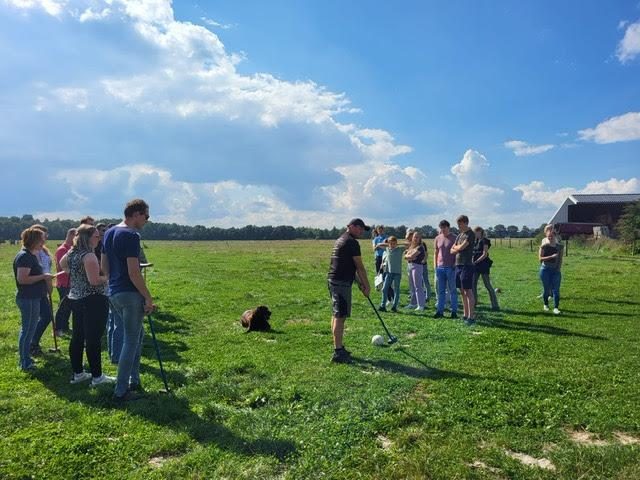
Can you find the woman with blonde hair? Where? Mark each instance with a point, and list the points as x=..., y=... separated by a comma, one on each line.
x=89, y=304
x=46, y=315
x=31, y=283
x=550, y=256
x=414, y=255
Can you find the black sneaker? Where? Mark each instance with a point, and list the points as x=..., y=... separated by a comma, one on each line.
x=127, y=397
x=394, y=309
x=438, y=315
x=382, y=309
x=470, y=322
x=454, y=315
x=341, y=356
x=35, y=350
x=136, y=387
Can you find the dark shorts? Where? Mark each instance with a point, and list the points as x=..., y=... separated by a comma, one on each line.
x=341, y=298
x=464, y=276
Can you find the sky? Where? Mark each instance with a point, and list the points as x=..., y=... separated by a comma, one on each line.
x=311, y=113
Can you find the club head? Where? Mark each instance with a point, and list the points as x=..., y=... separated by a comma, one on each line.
x=392, y=339
x=165, y=391
x=54, y=350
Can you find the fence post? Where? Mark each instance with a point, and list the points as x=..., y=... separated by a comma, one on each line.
x=509, y=242
x=531, y=244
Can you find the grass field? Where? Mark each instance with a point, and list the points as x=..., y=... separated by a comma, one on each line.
x=445, y=402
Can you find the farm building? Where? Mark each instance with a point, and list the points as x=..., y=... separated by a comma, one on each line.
x=580, y=213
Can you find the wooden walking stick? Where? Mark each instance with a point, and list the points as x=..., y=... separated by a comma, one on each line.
x=55, y=348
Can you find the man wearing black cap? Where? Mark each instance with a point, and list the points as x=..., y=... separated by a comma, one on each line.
x=346, y=266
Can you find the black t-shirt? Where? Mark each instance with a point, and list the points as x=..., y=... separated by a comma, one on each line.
x=463, y=257
x=26, y=259
x=478, y=247
x=343, y=268
x=547, y=251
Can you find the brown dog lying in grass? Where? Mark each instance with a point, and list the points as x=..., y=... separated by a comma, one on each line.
x=256, y=319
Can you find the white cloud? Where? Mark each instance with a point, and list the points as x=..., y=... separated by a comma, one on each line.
x=629, y=46
x=536, y=193
x=521, y=149
x=623, y=128
x=213, y=23
x=52, y=7
x=90, y=15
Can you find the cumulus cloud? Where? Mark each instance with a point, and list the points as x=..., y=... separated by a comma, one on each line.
x=538, y=194
x=522, y=149
x=629, y=46
x=52, y=7
x=623, y=128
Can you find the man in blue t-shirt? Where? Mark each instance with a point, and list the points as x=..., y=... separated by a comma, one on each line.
x=129, y=295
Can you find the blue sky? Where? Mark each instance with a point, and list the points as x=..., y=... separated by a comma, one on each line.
x=310, y=113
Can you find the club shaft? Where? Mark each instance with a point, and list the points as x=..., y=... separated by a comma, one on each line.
x=155, y=344
x=380, y=318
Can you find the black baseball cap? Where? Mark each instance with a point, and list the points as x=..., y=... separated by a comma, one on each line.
x=359, y=223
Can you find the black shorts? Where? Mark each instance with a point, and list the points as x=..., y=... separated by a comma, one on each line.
x=464, y=276
x=341, y=298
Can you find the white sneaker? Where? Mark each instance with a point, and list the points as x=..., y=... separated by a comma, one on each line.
x=546, y=308
x=102, y=379
x=556, y=311
x=540, y=296
x=419, y=309
x=411, y=307
x=80, y=377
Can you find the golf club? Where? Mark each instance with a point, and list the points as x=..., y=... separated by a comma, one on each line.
x=155, y=343
x=392, y=339
x=55, y=348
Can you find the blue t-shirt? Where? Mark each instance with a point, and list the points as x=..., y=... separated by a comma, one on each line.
x=26, y=259
x=376, y=241
x=119, y=244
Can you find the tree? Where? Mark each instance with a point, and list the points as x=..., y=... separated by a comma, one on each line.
x=628, y=227
x=500, y=231
x=512, y=230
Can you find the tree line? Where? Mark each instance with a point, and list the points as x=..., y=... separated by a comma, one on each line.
x=10, y=228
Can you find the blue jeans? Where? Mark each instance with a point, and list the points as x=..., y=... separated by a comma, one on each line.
x=115, y=335
x=29, y=313
x=425, y=279
x=43, y=322
x=391, y=281
x=446, y=281
x=550, y=278
x=130, y=306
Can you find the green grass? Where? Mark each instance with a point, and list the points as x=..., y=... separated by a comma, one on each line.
x=270, y=405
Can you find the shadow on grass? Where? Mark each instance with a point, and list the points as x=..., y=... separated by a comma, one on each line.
x=423, y=371
x=535, y=328
x=163, y=323
x=165, y=410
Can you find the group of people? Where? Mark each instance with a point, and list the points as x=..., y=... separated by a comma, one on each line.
x=459, y=261
x=99, y=281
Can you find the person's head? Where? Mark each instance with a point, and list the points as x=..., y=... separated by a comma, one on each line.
x=416, y=239
x=136, y=213
x=380, y=229
x=32, y=238
x=86, y=239
x=43, y=229
x=111, y=225
x=357, y=227
x=71, y=233
x=550, y=233
x=102, y=227
x=88, y=220
x=463, y=222
x=392, y=241
x=479, y=231
x=409, y=234
x=444, y=227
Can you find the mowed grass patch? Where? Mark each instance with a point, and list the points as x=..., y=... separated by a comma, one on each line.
x=445, y=402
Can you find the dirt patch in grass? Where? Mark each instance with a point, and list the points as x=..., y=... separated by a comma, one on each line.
x=530, y=461
x=626, y=439
x=411, y=335
x=158, y=461
x=384, y=442
x=299, y=321
x=480, y=465
x=585, y=438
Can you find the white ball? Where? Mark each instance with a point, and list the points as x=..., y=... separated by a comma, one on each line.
x=377, y=340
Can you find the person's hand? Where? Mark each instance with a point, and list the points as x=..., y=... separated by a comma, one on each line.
x=48, y=277
x=365, y=289
x=149, y=307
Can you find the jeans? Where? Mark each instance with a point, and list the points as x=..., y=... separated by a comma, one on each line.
x=29, y=313
x=391, y=282
x=425, y=279
x=487, y=284
x=64, y=309
x=115, y=335
x=130, y=306
x=384, y=275
x=415, y=284
x=446, y=277
x=550, y=278
x=89, y=319
x=43, y=322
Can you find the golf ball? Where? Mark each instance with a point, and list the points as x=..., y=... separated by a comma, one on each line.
x=377, y=340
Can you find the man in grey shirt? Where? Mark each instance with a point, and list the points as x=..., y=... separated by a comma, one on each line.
x=463, y=249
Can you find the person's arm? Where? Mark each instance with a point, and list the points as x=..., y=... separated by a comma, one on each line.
x=485, y=254
x=361, y=276
x=104, y=264
x=135, y=275
x=547, y=258
x=560, y=256
x=23, y=277
x=435, y=255
x=93, y=270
